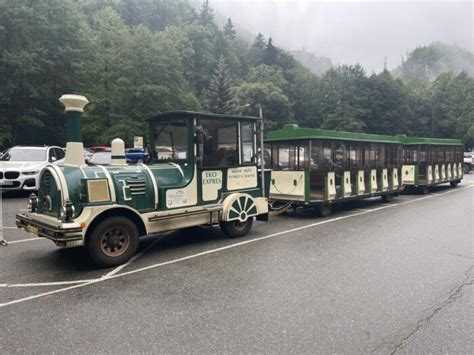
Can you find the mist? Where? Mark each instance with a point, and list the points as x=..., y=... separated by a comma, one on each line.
x=371, y=33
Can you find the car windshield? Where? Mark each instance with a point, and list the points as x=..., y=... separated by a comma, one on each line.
x=24, y=154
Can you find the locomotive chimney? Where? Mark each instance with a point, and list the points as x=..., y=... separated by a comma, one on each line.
x=118, y=152
x=74, y=106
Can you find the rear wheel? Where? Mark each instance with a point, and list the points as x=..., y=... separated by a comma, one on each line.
x=236, y=228
x=387, y=198
x=453, y=183
x=425, y=190
x=324, y=210
x=113, y=241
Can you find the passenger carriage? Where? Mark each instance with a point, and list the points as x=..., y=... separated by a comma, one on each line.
x=314, y=167
x=204, y=171
x=431, y=161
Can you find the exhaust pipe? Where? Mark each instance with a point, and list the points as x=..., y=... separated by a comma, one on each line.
x=74, y=106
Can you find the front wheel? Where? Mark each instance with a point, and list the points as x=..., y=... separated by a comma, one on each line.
x=236, y=228
x=453, y=183
x=113, y=241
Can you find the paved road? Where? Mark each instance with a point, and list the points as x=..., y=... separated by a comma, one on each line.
x=372, y=277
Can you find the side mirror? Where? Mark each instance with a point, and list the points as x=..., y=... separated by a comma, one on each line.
x=52, y=159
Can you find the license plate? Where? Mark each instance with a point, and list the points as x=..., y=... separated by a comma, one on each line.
x=6, y=183
x=31, y=229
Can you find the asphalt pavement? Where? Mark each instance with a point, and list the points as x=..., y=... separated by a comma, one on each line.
x=372, y=277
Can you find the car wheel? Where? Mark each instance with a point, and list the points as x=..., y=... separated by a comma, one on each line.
x=236, y=228
x=453, y=183
x=113, y=241
x=140, y=161
x=387, y=198
x=466, y=168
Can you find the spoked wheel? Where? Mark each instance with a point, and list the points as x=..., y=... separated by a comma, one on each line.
x=113, y=241
x=324, y=209
x=236, y=228
x=453, y=183
x=387, y=198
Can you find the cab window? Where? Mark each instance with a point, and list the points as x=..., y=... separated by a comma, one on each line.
x=171, y=140
x=217, y=143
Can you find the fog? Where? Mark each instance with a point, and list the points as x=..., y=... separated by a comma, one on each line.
x=348, y=32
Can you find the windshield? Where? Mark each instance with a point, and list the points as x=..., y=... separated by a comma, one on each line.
x=24, y=154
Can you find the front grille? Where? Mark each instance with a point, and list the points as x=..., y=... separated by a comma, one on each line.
x=137, y=187
x=1, y=175
x=12, y=175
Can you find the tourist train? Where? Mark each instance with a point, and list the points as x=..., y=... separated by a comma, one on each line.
x=211, y=169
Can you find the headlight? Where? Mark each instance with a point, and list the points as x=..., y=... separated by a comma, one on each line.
x=67, y=211
x=30, y=172
x=32, y=203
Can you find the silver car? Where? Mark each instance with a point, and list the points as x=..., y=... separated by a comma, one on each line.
x=20, y=166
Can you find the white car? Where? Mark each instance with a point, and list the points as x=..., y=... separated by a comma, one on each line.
x=20, y=166
x=468, y=163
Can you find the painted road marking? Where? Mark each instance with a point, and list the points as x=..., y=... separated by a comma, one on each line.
x=24, y=240
x=216, y=250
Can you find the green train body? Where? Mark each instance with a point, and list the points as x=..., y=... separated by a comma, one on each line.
x=431, y=161
x=314, y=167
x=204, y=172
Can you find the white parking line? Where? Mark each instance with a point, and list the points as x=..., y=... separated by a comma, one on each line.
x=44, y=284
x=216, y=250
x=24, y=240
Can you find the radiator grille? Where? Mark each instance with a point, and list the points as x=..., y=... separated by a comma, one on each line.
x=137, y=187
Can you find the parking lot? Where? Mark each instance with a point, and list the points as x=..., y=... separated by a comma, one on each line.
x=372, y=277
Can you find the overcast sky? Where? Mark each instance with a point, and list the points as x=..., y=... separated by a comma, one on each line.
x=354, y=31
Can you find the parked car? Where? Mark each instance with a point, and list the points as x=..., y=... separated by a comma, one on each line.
x=99, y=149
x=101, y=158
x=87, y=154
x=468, y=163
x=136, y=155
x=20, y=166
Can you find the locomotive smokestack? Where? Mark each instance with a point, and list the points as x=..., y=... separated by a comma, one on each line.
x=74, y=106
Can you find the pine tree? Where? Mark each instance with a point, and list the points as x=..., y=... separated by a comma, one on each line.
x=206, y=15
x=219, y=94
x=270, y=57
x=229, y=29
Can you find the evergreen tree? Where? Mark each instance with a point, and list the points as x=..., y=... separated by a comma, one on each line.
x=229, y=30
x=206, y=15
x=219, y=94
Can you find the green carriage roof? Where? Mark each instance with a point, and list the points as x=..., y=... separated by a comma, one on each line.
x=423, y=140
x=292, y=132
x=192, y=114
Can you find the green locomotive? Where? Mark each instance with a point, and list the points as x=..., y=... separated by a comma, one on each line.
x=205, y=170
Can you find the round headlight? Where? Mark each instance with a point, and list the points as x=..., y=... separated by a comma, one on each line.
x=32, y=203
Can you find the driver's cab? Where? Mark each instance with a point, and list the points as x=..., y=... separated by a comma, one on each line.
x=200, y=158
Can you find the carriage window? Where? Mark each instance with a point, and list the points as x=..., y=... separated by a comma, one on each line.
x=316, y=148
x=247, y=142
x=422, y=156
x=292, y=153
x=171, y=140
x=440, y=154
x=355, y=156
x=303, y=156
x=380, y=155
x=275, y=164
x=283, y=157
x=339, y=155
x=327, y=156
x=372, y=155
x=217, y=143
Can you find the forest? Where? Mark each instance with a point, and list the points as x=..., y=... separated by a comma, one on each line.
x=135, y=58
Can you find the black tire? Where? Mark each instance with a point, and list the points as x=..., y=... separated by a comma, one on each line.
x=236, y=229
x=466, y=168
x=113, y=241
x=324, y=209
x=424, y=190
x=454, y=183
x=387, y=198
